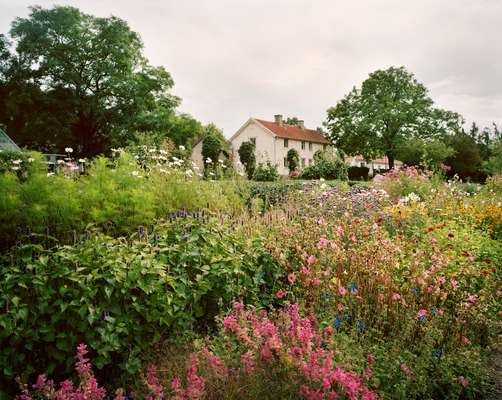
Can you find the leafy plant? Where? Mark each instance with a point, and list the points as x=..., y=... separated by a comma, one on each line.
x=248, y=157
x=266, y=173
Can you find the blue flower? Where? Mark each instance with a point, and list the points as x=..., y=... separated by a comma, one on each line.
x=347, y=316
x=353, y=287
x=415, y=291
x=421, y=318
x=328, y=296
x=338, y=322
x=155, y=237
x=433, y=311
x=437, y=353
x=360, y=326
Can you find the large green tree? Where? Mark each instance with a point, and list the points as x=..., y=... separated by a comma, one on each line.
x=77, y=80
x=389, y=108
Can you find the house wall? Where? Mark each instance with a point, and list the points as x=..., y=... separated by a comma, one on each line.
x=197, y=156
x=264, y=143
x=282, y=152
x=271, y=148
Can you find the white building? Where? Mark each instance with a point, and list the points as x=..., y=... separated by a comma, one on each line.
x=373, y=165
x=274, y=139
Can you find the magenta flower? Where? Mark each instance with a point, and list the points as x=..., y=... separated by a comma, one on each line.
x=454, y=284
x=472, y=298
x=342, y=291
x=396, y=297
x=280, y=294
x=323, y=242
x=291, y=278
x=422, y=314
x=310, y=260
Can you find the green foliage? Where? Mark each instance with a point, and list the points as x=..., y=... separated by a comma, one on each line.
x=327, y=166
x=390, y=108
x=293, y=159
x=118, y=296
x=493, y=165
x=82, y=81
x=211, y=148
x=116, y=195
x=248, y=158
x=466, y=161
x=427, y=153
x=266, y=173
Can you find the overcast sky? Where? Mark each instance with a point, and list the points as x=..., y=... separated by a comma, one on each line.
x=231, y=59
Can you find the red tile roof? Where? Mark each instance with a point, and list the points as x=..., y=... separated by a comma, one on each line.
x=294, y=132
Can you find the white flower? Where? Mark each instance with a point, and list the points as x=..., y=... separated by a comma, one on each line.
x=164, y=171
x=136, y=157
x=15, y=168
x=81, y=160
x=16, y=162
x=163, y=158
x=115, y=150
x=68, y=150
x=195, y=167
x=163, y=152
x=208, y=160
x=181, y=147
x=211, y=174
x=50, y=174
x=60, y=162
x=321, y=179
x=189, y=172
x=31, y=159
x=152, y=150
x=323, y=185
x=220, y=161
x=135, y=173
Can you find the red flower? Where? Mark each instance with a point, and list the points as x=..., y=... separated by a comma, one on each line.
x=280, y=294
x=450, y=235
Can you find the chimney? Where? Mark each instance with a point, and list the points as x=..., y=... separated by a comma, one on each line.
x=278, y=119
x=301, y=124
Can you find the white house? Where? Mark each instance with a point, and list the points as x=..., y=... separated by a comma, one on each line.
x=372, y=165
x=274, y=139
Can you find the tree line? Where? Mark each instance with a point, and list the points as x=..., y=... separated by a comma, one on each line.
x=72, y=79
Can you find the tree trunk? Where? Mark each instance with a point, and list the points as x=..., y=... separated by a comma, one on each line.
x=390, y=157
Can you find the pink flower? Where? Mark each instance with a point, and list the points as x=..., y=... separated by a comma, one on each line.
x=321, y=221
x=342, y=291
x=305, y=271
x=454, y=284
x=323, y=242
x=396, y=297
x=230, y=324
x=465, y=341
x=328, y=331
x=316, y=282
x=371, y=359
x=422, y=314
x=310, y=259
x=280, y=294
x=472, y=298
x=463, y=381
x=291, y=278
x=406, y=370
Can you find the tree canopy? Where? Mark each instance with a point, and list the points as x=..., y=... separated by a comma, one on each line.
x=72, y=79
x=391, y=107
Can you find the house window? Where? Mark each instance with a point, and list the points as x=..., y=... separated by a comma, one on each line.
x=285, y=162
x=310, y=146
x=286, y=143
x=303, y=162
x=310, y=161
x=253, y=140
x=324, y=146
x=303, y=145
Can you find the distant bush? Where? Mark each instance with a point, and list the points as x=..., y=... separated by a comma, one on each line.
x=325, y=166
x=358, y=173
x=266, y=173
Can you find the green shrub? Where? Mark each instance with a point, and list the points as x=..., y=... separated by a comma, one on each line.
x=248, y=157
x=266, y=173
x=293, y=160
x=121, y=297
x=327, y=166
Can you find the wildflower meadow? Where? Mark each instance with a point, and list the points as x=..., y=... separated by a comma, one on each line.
x=143, y=278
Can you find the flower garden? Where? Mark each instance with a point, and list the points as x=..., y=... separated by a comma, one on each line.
x=140, y=279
